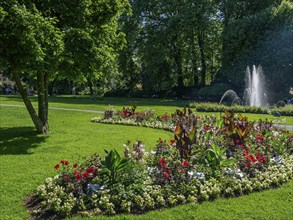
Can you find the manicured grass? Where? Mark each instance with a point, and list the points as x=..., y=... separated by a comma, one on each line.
x=27, y=159
x=160, y=106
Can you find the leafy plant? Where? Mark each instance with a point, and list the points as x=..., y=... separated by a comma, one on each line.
x=113, y=165
x=109, y=113
x=214, y=158
x=185, y=133
x=128, y=112
x=236, y=128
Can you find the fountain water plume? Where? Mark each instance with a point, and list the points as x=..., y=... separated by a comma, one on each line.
x=254, y=93
x=229, y=93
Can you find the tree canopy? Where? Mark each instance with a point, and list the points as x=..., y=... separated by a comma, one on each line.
x=184, y=48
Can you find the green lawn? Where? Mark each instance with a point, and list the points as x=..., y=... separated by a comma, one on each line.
x=160, y=106
x=27, y=159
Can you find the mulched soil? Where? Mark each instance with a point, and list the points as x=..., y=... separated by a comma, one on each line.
x=32, y=202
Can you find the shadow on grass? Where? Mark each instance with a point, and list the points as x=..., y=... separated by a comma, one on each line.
x=18, y=140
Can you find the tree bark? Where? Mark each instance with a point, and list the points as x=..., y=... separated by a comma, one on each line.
x=91, y=87
x=37, y=122
x=46, y=91
x=194, y=65
x=178, y=61
x=202, y=58
x=42, y=102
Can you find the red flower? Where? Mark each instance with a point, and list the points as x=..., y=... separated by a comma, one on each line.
x=259, y=138
x=263, y=159
x=185, y=163
x=252, y=159
x=86, y=175
x=172, y=141
x=243, y=146
x=207, y=128
x=257, y=156
x=162, y=161
x=164, y=167
x=56, y=167
x=247, y=165
x=166, y=175
x=75, y=165
x=77, y=177
x=75, y=172
x=64, y=162
x=245, y=153
x=66, y=177
x=90, y=169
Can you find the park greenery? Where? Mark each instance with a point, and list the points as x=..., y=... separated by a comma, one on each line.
x=207, y=159
x=74, y=138
x=148, y=74
x=186, y=49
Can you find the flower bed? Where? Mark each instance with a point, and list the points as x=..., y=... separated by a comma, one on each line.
x=207, y=159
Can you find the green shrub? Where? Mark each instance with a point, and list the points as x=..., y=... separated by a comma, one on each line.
x=215, y=91
x=214, y=107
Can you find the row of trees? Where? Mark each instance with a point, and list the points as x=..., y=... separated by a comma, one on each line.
x=188, y=43
x=164, y=47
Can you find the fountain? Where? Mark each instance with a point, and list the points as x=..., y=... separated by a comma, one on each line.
x=254, y=93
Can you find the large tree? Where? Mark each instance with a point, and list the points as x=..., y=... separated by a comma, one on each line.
x=29, y=44
x=75, y=39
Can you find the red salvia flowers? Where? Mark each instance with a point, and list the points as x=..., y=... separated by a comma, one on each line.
x=162, y=161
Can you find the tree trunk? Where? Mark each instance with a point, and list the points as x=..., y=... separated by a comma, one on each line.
x=178, y=61
x=194, y=66
x=46, y=91
x=51, y=87
x=91, y=87
x=202, y=58
x=42, y=102
x=37, y=122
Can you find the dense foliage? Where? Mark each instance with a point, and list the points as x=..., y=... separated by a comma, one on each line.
x=45, y=40
x=177, y=48
x=225, y=158
x=215, y=107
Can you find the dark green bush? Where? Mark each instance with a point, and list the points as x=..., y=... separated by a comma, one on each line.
x=214, y=92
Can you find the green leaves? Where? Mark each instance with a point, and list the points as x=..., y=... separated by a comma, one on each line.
x=113, y=165
x=215, y=158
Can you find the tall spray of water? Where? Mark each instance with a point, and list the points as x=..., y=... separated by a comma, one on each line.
x=255, y=94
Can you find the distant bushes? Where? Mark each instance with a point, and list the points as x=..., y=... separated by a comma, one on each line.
x=286, y=110
x=214, y=107
x=213, y=92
